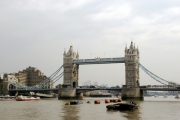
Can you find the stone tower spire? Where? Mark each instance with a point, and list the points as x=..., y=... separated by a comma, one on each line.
x=64, y=53
x=131, y=46
x=71, y=50
x=126, y=49
x=77, y=56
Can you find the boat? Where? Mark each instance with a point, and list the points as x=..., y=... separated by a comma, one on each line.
x=99, y=94
x=122, y=106
x=156, y=96
x=26, y=98
x=165, y=96
x=7, y=98
x=45, y=95
x=177, y=96
x=75, y=102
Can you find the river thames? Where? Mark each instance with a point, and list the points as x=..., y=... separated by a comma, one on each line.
x=152, y=108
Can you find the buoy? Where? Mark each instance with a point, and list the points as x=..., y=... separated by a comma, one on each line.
x=115, y=100
x=88, y=102
x=107, y=101
x=67, y=104
x=119, y=100
x=97, y=102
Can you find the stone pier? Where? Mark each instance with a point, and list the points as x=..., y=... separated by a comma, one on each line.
x=69, y=93
x=132, y=93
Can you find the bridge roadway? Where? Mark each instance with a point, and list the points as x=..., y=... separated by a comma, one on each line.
x=81, y=90
x=99, y=61
x=160, y=89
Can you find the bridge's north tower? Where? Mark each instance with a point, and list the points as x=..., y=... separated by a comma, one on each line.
x=70, y=70
x=71, y=73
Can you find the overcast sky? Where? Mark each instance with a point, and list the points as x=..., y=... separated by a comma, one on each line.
x=36, y=32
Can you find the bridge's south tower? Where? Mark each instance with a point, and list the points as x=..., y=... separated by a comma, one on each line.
x=131, y=89
x=70, y=70
x=131, y=66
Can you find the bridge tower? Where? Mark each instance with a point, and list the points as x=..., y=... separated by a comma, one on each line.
x=71, y=73
x=131, y=89
x=70, y=70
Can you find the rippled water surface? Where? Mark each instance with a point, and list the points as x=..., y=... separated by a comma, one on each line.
x=53, y=109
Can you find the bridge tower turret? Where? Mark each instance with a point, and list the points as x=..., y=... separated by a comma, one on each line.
x=71, y=70
x=131, y=88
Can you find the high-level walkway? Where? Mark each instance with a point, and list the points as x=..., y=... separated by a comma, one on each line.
x=99, y=61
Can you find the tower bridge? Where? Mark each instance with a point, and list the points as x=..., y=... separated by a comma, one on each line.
x=71, y=64
x=70, y=74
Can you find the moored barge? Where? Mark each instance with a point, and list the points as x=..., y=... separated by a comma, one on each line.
x=122, y=106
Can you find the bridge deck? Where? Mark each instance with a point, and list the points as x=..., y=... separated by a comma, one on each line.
x=79, y=90
x=99, y=61
x=160, y=89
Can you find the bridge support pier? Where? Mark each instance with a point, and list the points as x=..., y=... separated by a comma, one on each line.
x=5, y=88
x=69, y=93
x=132, y=93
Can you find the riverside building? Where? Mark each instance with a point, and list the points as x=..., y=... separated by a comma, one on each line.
x=32, y=76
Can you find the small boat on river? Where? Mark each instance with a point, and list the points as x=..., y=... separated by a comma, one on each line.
x=156, y=96
x=75, y=102
x=165, y=96
x=122, y=106
x=177, y=96
x=99, y=94
x=26, y=98
x=7, y=98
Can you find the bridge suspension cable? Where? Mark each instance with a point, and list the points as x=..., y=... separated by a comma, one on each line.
x=152, y=75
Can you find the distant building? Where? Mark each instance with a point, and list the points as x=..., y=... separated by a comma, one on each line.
x=6, y=86
x=104, y=85
x=87, y=82
x=95, y=83
x=1, y=76
x=29, y=77
x=1, y=86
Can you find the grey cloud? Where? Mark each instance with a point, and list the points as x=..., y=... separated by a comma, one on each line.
x=34, y=33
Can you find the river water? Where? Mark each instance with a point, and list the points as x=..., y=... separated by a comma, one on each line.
x=151, y=108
